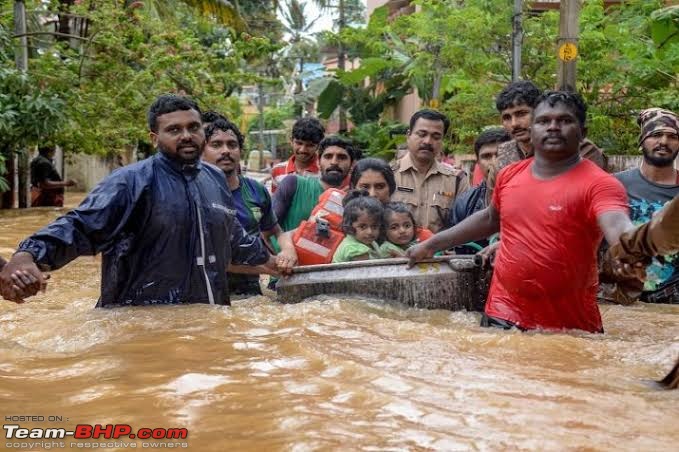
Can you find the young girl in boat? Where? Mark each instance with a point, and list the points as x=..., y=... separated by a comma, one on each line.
x=362, y=224
x=401, y=230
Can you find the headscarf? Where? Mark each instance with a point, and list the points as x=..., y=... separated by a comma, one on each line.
x=657, y=120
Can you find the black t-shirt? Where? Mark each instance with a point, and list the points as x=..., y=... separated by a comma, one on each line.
x=42, y=169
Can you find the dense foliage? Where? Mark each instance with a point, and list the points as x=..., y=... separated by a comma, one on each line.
x=89, y=85
x=88, y=88
x=457, y=56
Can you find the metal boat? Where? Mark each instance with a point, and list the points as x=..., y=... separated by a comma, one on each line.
x=450, y=282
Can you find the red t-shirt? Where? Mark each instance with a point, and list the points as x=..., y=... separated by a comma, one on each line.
x=282, y=170
x=477, y=175
x=545, y=271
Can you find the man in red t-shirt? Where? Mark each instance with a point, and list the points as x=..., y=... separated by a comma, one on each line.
x=306, y=134
x=550, y=210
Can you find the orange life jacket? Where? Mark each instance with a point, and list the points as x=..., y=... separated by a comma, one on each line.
x=330, y=208
x=316, y=242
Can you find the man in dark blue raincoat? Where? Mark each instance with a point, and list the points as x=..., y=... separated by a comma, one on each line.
x=166, y=226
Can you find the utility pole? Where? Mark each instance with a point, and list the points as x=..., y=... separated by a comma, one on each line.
x=260, y=107
x=569, y=31
x=341, y=65
x=517, y=40
x=21, y=61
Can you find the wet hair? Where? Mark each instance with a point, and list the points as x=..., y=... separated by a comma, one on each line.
x=522, y=92
x=399, y=207
x=224, y=125
x=336, y=140
x=431, y=115
x=168, y=103
x=308, y=129
x=490, y=136
x=44, y=150
x=211, y=116
x=357, y=202
x=573, y=101
x=373, y=164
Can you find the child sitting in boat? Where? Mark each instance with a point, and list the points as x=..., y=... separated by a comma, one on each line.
x=401, y=231
x=362, y=224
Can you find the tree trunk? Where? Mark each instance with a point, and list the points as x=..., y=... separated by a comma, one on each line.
x=64, y=19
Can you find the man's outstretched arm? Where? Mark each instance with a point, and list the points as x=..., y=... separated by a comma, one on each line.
x=87, y=230
x=660, y=236
x=480, y=225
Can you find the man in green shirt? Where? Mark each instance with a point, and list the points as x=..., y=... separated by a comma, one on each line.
x=297, y=195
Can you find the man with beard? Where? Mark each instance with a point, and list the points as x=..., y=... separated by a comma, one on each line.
x=166, y=226
x=649, y=187
x=307, y=133
x=297, y=195
x=224, y=143
x=551, y=211
x=426, y=185
x=516, y=104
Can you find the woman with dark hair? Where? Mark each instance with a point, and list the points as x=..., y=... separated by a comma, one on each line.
x=374, y=176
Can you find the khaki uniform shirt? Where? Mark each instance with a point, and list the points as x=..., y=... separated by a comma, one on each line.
x=430, y=196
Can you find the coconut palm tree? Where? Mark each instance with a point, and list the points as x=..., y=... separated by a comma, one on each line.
x=302, y=47
x=348, y=11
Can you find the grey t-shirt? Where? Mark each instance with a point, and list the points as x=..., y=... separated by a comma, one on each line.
x=645, y=199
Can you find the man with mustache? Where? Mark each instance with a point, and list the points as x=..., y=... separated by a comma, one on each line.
x=307, y=133
x=224, y=143
x=166, y=226
x=426, y=185
x=551, y=210
x=649, y=187
x=515, y=104
x=298, y=195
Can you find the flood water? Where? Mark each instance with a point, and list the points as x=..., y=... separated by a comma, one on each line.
x=330, y=373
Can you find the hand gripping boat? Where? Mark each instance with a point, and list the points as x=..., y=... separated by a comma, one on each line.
x=452, y=282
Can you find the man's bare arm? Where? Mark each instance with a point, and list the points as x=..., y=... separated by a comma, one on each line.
x=480, y=225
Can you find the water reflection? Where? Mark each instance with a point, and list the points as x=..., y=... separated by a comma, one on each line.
x=332, y=373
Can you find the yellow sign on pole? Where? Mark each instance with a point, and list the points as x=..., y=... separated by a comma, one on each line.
x=568, y=52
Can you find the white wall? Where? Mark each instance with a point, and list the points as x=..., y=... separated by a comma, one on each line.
x=87, y=170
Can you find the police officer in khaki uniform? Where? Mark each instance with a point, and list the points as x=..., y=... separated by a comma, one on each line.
x=427, y=186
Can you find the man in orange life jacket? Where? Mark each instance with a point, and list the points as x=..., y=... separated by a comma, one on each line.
x=297, y=196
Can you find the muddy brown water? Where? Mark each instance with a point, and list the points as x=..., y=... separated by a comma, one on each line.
x=330, y=373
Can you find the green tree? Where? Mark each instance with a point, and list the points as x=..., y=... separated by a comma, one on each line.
x=28, y=112
x=223, y=11
x=456, y=56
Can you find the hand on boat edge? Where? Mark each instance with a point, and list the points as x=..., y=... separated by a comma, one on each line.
x=418, y=253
